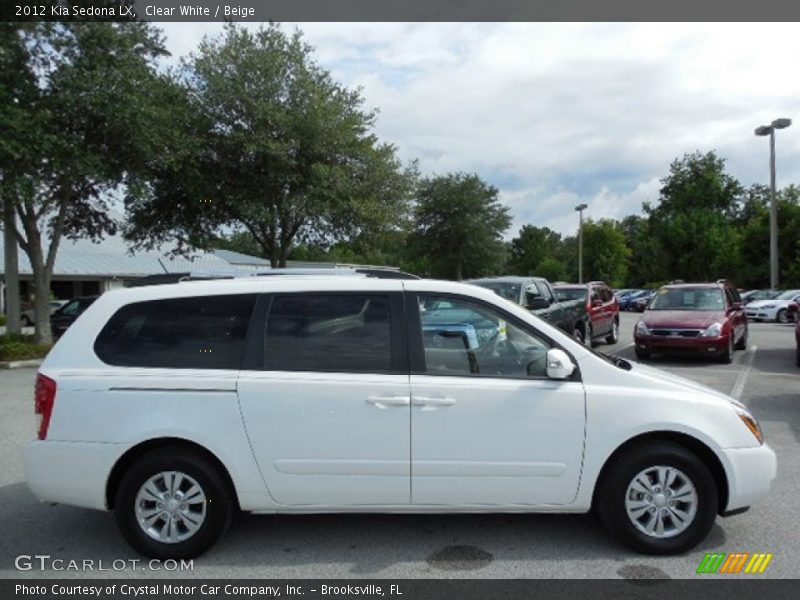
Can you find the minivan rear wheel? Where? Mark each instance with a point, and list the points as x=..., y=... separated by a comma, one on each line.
x=173, y=504
x=658, y=498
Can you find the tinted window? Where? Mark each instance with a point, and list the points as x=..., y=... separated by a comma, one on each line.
x=329, y=332
x=566, y=294
x=70, y=309
x=180, y=333
x=465, y=338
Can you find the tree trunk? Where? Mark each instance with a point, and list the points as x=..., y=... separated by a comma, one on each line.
x=11, y=277
x=41, y=306
x=459, y=275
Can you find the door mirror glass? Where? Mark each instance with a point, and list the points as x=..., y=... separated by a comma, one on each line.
x=537, y=303
x=559, y=364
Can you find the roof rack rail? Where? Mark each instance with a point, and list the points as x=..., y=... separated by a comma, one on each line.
x=163, y=278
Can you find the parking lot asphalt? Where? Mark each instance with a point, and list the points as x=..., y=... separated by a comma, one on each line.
x=411, y=546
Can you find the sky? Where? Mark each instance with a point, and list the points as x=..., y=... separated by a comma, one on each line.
x=557, y=114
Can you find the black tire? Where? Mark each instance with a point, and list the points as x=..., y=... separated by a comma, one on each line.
x=782, y=316
x=578, y=335
x=742, y=343
x=613, y=488
x=219, y=503
x=727, y=356
x=613, y=337
x=642, y=354
x=589, y=342
x=26, y=322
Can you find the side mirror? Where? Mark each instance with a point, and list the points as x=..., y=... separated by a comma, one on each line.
x=537, y=302
x=559, y=364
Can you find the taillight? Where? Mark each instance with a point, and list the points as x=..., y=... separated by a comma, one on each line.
x=43, y=402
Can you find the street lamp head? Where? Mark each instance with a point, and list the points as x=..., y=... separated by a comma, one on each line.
x=763, y=130
x=581, y=207
x=781, y=123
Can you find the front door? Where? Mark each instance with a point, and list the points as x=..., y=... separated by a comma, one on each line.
x=328, y=415
x=487, y=426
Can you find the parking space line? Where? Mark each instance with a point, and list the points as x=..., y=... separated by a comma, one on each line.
x=741, y=379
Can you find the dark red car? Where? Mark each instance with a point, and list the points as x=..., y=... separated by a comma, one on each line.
x=703, y=319
x=602, y=308
x=797, y=340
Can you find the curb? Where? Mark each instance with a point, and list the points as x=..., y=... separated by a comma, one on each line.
x=21, y=364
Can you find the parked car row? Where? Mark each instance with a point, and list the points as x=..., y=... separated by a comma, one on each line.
x=588, y=312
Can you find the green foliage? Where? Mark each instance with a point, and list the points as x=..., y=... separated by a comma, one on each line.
x=605, y=254
x=532, y=246
x=268, y=142
x=458, y=227
x=77, y=108
x=693, y=221
x=21, y=347
x=2, y=320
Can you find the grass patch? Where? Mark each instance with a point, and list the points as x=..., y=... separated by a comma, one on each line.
x=21, y=347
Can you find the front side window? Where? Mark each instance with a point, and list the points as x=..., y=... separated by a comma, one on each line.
x=330, y=333
x=204, y=332
x=461, y=337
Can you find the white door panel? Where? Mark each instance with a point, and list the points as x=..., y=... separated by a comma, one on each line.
x=329, y=438
x=484, y=440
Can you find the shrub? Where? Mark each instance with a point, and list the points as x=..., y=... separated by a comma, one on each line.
x=21, y=347
x=2, y=320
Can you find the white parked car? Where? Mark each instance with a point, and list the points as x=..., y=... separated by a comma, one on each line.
x=776, y=309
x=177, y=405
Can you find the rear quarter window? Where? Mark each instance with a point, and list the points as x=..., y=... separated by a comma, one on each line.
x=204, y=332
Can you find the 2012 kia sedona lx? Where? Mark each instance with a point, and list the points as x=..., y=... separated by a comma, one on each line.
x=177, y=405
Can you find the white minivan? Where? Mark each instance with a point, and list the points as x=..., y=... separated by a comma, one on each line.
x=178, y=405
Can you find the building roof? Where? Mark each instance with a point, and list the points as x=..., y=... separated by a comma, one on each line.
x=239, y=259
x=112, y=257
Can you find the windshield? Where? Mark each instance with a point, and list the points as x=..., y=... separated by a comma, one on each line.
x=571, y=293
x=508, y=290
x=788, y=295
x=688, y=298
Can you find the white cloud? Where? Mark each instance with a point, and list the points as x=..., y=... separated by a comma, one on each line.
x=556, y=114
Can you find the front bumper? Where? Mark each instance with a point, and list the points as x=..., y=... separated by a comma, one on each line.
x=750, y=474
x=73, y=473
x=700, y=346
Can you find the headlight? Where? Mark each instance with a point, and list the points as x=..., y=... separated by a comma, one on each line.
x=714, y=330
x=642, y=329
x=751, y=423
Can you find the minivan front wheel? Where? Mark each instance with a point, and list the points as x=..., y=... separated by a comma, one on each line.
x=658, y=499
x=172, y=505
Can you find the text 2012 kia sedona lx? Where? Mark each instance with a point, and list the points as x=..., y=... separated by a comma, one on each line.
x=177, y=405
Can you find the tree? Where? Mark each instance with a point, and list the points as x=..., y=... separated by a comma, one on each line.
x=605, y=254
x=270, y=144
x=753, y=224
x=458, y=226
x=85, y=94
x=532, y=247
x=693, y=221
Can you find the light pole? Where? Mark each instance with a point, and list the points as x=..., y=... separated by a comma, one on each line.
x=580, y=208
x=773, y=209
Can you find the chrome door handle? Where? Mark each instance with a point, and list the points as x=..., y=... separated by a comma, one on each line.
x=429, y=401
x=385, y=401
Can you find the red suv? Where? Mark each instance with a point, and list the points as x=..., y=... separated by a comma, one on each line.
x=704, y=319
x=602, y=310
